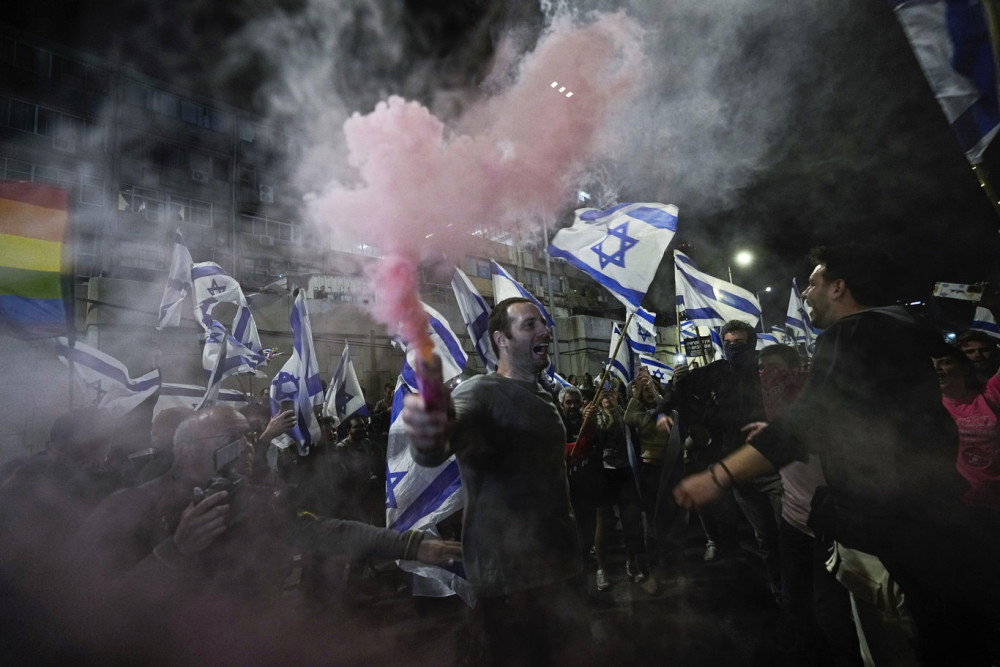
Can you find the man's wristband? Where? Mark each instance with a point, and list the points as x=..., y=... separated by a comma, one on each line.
x=715, y=479
x=732, y=480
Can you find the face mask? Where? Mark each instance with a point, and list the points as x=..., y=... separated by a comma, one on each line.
x=737, y=354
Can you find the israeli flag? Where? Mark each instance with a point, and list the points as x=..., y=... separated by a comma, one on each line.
x=107, y=382
x=417, y=498
x=984, y=321
x=765, y=339
x=505, y=287
x=476, y=314
x=223, y=363
x=446, y=346
x=661, y=371
x=344, y=398
x=952, y=44
x=688, y=330
x=189, y=396
x=212, y=286
x=797, y=322
x=709, y=301
x=621, y=248
x=641, y=340
x=298, y=380
x=238, y=358
x=178, y=285
x=622, y=364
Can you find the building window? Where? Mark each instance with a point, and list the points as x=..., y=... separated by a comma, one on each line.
x=248, y=176
x=147, y=203
x=267, y=230
x=190, y=210
x=22, y=116
x=92, y=191
x=33, y=60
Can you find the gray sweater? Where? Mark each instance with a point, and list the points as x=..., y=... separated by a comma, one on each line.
x=519, y=531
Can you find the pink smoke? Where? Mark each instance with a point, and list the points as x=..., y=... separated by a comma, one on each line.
x=424, y=190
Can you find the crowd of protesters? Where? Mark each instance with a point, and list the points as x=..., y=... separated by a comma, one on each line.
x=869, y=475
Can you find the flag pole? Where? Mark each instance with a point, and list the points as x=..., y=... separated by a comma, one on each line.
x=992, y=17
x=604, y=375
x=552, y=306
x=677, y=311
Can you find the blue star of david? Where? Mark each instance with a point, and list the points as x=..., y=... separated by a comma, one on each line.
x=343, y=398
x=284, y=380
x=644, y=335
x=392, y=480
x=215, y=288
x=626, y=243
x=96, y=386
x=214, y=336
x=659, y=374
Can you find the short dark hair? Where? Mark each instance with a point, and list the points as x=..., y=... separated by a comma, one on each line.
x=500, y=320
x=955, y=353
x=869, y=272
x=787, y=354
x=974, y=336
x=739, y=325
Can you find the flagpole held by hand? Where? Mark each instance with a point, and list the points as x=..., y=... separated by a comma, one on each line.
x=604, y=376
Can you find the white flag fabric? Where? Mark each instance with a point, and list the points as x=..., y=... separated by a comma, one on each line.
x=952, y=44
x=688, y=330
x=298, y=381
x=641, y=339
x=107, y=381
x=660, y=370
x=765, y=339
x=344, y=397
x=446, y=346
x=189, y=396
x=623, y=364
x=417, y=498
x=984, y=321
x=212, y=286
x=476, y=314
x=800, y=328
x=505, y=287
x=223, y=362
x=620, y=247
x=709, y=301
x=178, y=285
x=239, y=359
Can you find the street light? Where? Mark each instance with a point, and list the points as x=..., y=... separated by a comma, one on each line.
x=742, y=258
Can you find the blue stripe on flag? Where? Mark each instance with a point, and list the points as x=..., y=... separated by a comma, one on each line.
x=655, y=217
x=431, y=498
x=721, y=296
x=634, y=297
x=104, y=368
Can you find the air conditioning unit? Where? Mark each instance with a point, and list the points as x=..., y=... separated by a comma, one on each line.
x=267, y=240
x=199, y=176
x=267, y=194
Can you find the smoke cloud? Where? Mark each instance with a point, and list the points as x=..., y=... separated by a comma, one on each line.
x=425, y=190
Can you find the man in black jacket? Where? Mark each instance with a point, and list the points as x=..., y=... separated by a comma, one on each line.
x=716, y=401
x=872, y=412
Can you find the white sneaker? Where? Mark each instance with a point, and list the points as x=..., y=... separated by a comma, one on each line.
x=602, y=580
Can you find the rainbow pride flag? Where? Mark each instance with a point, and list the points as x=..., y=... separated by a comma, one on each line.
x=33, y=227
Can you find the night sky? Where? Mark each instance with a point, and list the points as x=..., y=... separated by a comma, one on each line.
x=773, y=127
